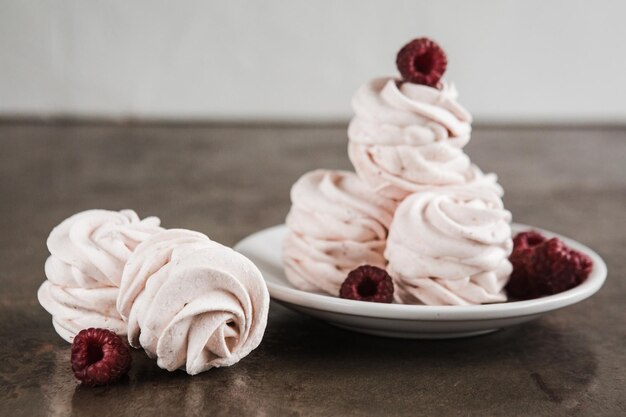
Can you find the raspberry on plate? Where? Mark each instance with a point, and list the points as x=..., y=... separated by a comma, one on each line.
x=544, y=266
x=99, y=357
x=368, y=283
x=422, y=61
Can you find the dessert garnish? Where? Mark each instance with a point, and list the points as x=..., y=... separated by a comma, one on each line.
x=368, y=283
x=422, y=61
x=99, y=357
x=543, y=266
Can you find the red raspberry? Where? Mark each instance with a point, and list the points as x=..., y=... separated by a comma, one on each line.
x=530, y=239
x=99, y=356
x=544, y=266
x=524, y=245
x=368, y=283
x=422, y=61
x=562, y=268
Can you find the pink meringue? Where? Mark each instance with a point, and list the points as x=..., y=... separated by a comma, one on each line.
x=409, y=137
x=192, y=303
x=336, y=223
x=88, y=253
x=450, y=248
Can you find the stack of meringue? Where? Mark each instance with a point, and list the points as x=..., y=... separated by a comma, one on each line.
x=189, y=302
x=417, y=205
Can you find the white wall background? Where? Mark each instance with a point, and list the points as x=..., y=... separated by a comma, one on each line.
x=533, y=60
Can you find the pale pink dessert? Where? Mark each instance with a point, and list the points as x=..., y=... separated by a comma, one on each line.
x=409, y=137
x=88, y=253
x=192, y=303
x=450, y=247
x=449, y=239
x=336, y=223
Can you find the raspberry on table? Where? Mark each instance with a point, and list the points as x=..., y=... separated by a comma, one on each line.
x=422, y=61
x=99, y=356
x=368, y=283
x=544, y=266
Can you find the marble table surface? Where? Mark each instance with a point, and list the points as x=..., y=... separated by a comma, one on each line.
x=231, y=180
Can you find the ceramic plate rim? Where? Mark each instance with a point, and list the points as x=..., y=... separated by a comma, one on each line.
x=320, y=302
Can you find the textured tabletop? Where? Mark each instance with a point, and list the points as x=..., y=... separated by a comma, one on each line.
x=229, y=181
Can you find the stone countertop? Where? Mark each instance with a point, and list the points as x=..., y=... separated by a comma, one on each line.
x=229, y=181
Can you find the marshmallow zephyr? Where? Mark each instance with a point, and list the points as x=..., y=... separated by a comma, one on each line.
x=192, y=303
x=408, y=137
x=88, y=253
x=450, y=248
x=336, y=224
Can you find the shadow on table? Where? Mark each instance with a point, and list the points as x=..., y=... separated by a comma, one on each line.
x=540, y=362
x=307, y=367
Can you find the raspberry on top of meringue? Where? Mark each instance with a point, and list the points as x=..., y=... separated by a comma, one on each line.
x=408, y=134
x=422, y=61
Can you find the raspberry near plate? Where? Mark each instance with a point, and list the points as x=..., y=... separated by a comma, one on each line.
x=264, y=248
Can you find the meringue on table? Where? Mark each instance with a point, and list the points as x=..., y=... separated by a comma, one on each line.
x=192, y=303
x=450, y=247
x=88, y=253
x=336, y=223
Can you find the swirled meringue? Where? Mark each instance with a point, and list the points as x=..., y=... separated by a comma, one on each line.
x=88, y=253
x=336, y=223
x=450, y=248
x=192, y=303
x=408, y=137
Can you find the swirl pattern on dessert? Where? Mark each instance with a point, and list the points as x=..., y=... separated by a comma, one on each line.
x=336, y=223
x=192, y=303
x=88, y=253
x=408, y=137
x=450, y=248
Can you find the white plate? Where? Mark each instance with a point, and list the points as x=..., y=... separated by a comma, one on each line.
x=264, y=248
